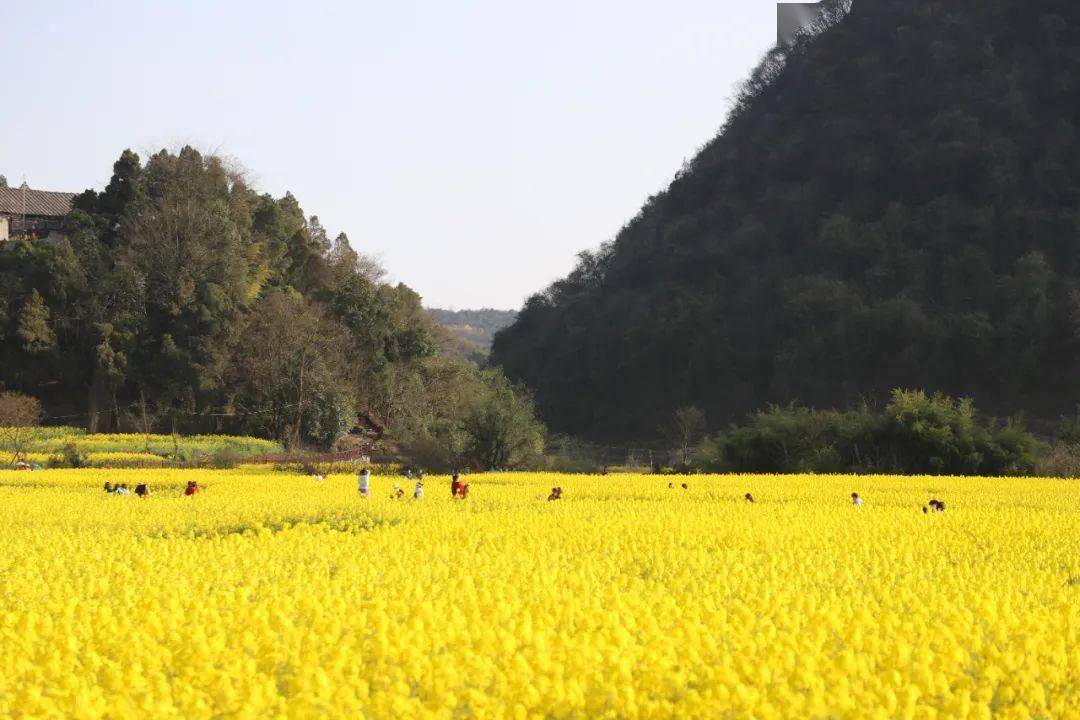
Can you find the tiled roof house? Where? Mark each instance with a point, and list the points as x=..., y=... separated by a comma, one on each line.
x=34, y=213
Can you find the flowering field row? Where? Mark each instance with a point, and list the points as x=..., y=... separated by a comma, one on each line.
x=48, y=441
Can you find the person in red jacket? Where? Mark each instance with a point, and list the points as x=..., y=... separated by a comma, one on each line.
x=192, y=488
x=455, y=486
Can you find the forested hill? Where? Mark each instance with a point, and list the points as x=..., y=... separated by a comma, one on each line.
x=894, y=201
x=473, y=328
x=183, y=299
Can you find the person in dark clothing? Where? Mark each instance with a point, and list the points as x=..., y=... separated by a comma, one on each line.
x=142, y=491
x=749, y=498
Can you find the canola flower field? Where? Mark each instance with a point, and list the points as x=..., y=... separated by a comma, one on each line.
x=273, y=595
x=112, y=449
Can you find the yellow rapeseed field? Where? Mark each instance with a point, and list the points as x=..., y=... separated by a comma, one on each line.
x=273, y=595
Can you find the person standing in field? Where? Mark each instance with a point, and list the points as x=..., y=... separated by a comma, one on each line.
x=364, y=483
x=749, y=498
x=455, y=486
x=192, y=488
x=856, y=500
x=418, y=492
x=142, y=490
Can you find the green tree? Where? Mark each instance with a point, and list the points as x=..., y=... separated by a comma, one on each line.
x=501, y=426
x=34, y=328
x=288, y=372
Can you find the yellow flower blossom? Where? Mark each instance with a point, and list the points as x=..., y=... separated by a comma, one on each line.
x=274, y=595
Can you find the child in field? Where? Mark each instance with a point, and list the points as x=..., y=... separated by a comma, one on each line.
x=556, y=494
x=397, y=493
x=123, y=489
x=418, y=492
x=937, y=506
x=142, y=491
x=455, y=486
x=364, y=483
x=192, y=488
x=464, y=490
x=856, y=500
x=749, y=498
x=108, y=487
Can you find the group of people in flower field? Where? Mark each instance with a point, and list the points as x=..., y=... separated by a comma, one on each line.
x=143, y=490
x=459, y=489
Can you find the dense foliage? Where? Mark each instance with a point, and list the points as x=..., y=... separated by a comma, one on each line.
x=894, y=202
x=916, y=434
x=184, y=300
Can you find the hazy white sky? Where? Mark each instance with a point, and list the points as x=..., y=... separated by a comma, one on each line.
x=475, y=147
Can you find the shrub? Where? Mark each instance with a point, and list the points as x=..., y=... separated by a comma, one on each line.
x=1062, y=459
x=224, y=458
x=70, y=456
x=795, y=439
x=568, y=455
x=1068, y=430
x=916, y=434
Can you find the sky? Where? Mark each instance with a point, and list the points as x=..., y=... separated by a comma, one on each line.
x=474, y=147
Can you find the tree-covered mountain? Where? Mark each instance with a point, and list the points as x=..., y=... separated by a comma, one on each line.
x=894, y=201
x=472, y=331
x=184, y=299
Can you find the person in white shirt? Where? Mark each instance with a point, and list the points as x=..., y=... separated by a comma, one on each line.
x=418, y=493
x=856, y=500
x=364, y=484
